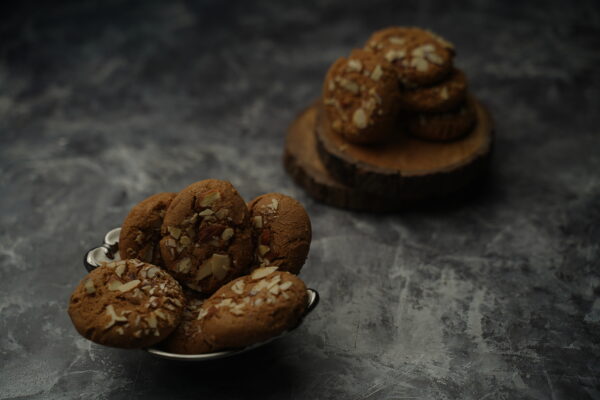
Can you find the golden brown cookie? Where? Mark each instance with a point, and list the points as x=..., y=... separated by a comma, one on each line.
x=188, y=338
x=207, y=236
x=140, y=232
x=127, y=304
x=443, y=96
x=443, y=126
x=281, y=231
x=360, y=97
x=248, y=310
x=420, y=57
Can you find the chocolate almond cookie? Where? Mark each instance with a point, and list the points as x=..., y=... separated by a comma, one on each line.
x=419, y=56
x=281, y=231
x=189, y=338
x=140, y=232
x=360, y=97
x=444, y=126
x=248, y=310
x=206, y=236
x=440, y=97
x=127, y=304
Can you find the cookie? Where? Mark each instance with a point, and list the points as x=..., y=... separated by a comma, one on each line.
x=443, y=96
x=420, y=57
x=127, y=304
x=360, y=97
x=188, y=338
x=445, y=126
x=207, y=236
x=281, y=231
x=140, y=232
x=248, y=310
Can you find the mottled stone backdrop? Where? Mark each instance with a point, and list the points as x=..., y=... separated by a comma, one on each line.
x=104, y=103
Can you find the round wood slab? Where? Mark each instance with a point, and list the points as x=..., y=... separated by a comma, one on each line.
x=303, y=162
x=407, y=167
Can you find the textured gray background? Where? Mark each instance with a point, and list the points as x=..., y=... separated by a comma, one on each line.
x=496, y=299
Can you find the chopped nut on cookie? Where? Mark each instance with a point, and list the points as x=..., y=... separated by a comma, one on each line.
x=419, y=56
x=281, y=231
x=140, y=232
x=360, y=96
x=127, y=304
x=248, y=310
x=206, y=236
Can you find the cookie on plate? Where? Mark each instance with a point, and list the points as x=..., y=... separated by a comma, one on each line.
x=420, y=57
x=360, y=97
x=445, y=126
x=127, y=304
x=140, y=232
x=207, y=236
x=281, y=230
x=443, y=96
x=188, y=338
x=248, y=310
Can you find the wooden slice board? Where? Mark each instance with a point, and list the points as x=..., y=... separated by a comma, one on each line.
x=407, y=167
x=303, y=162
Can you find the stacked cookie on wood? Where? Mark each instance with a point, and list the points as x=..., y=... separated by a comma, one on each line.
x=403, y=75
x=433, y=93
x=177, y=250
x=395, y=125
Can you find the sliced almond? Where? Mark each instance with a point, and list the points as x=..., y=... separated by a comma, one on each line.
x=89, y=286
x=210, y=198
x=128, y=286
x=174, y=231
x=359, y=118
x=285, y=286
x=185, y=241
x=152, y=271
x=227, y=234
x=354, y=65
x=238, y=287
x=184, y=265
x=257, y=221
x=262, y=249
x=120, y=269
x=151, y=320
x=262, y=272
x=113, y=316
x=114, y=285
x=202, y=313
x=396, y=40
x=377, y=72
x=206, y=212
x=222, y=213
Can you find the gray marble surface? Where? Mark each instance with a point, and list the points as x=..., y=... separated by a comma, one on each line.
x=499, y=298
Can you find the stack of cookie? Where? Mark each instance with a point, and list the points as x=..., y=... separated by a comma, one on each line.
x=201, y=271
x=403, y=75
x=395, y=126
x=433, y=93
